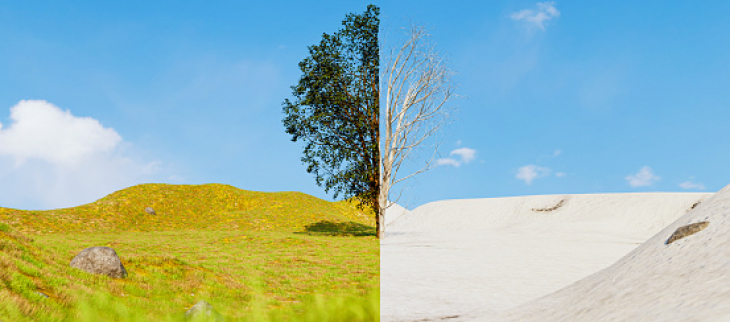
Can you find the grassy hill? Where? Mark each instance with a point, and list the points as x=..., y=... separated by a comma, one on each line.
x=208, y=206
x=250, y=254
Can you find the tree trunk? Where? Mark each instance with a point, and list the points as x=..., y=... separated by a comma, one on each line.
x=383, y=202
x=378, y=217
x=381, y=221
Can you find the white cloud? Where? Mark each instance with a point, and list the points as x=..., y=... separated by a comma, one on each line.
x=465, y=155
x=43, y=131
x=560, y=174
x=645, y=177
x=537, y=18
x=557, y=152
x=531, y=172
x=50, y=158
x=688, y=185
x=448, y=161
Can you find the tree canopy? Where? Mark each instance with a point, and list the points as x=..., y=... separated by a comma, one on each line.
x=336, y=110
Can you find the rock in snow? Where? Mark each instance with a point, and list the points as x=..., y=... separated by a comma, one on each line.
x=687, y=230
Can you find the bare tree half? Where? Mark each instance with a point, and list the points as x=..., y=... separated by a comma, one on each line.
x=418, y=88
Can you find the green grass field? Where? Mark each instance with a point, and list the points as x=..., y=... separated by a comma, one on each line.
x=253, y=256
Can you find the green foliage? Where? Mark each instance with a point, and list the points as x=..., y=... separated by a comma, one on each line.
x=4, y=227
x=336, y=110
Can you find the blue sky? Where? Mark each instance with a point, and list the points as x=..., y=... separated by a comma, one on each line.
x=558, y=97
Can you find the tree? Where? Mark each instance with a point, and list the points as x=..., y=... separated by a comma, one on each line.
x=418, y=88
x=336, y=110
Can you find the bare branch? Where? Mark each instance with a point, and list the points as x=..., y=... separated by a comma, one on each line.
x=418, y=89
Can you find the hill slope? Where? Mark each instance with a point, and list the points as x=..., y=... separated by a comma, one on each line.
x=454, y=257
x=635, y=212
x=686, y=280
x=247, y=253
x=208, y=206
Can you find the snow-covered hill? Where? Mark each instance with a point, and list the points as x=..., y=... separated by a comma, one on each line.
x=469, y=260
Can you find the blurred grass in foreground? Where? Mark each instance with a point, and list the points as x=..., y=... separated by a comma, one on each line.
x=103, y=308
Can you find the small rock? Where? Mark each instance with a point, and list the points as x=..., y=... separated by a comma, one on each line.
x=41, y=294
x=100, y=260
x=687, y=230
x=150, y=211
x=203, y=311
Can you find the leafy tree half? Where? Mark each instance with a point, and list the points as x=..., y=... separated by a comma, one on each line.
x=336, y=110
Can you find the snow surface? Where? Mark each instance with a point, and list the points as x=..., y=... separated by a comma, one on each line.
x=500, y=259
x=393, y=212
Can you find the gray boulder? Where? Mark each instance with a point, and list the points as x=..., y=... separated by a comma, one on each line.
x=203, y=311
x=150, y=211
x=100, y=260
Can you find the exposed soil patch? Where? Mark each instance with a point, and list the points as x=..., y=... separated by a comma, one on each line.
x=553, y=208
x=687, y=230
x=694, y=205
